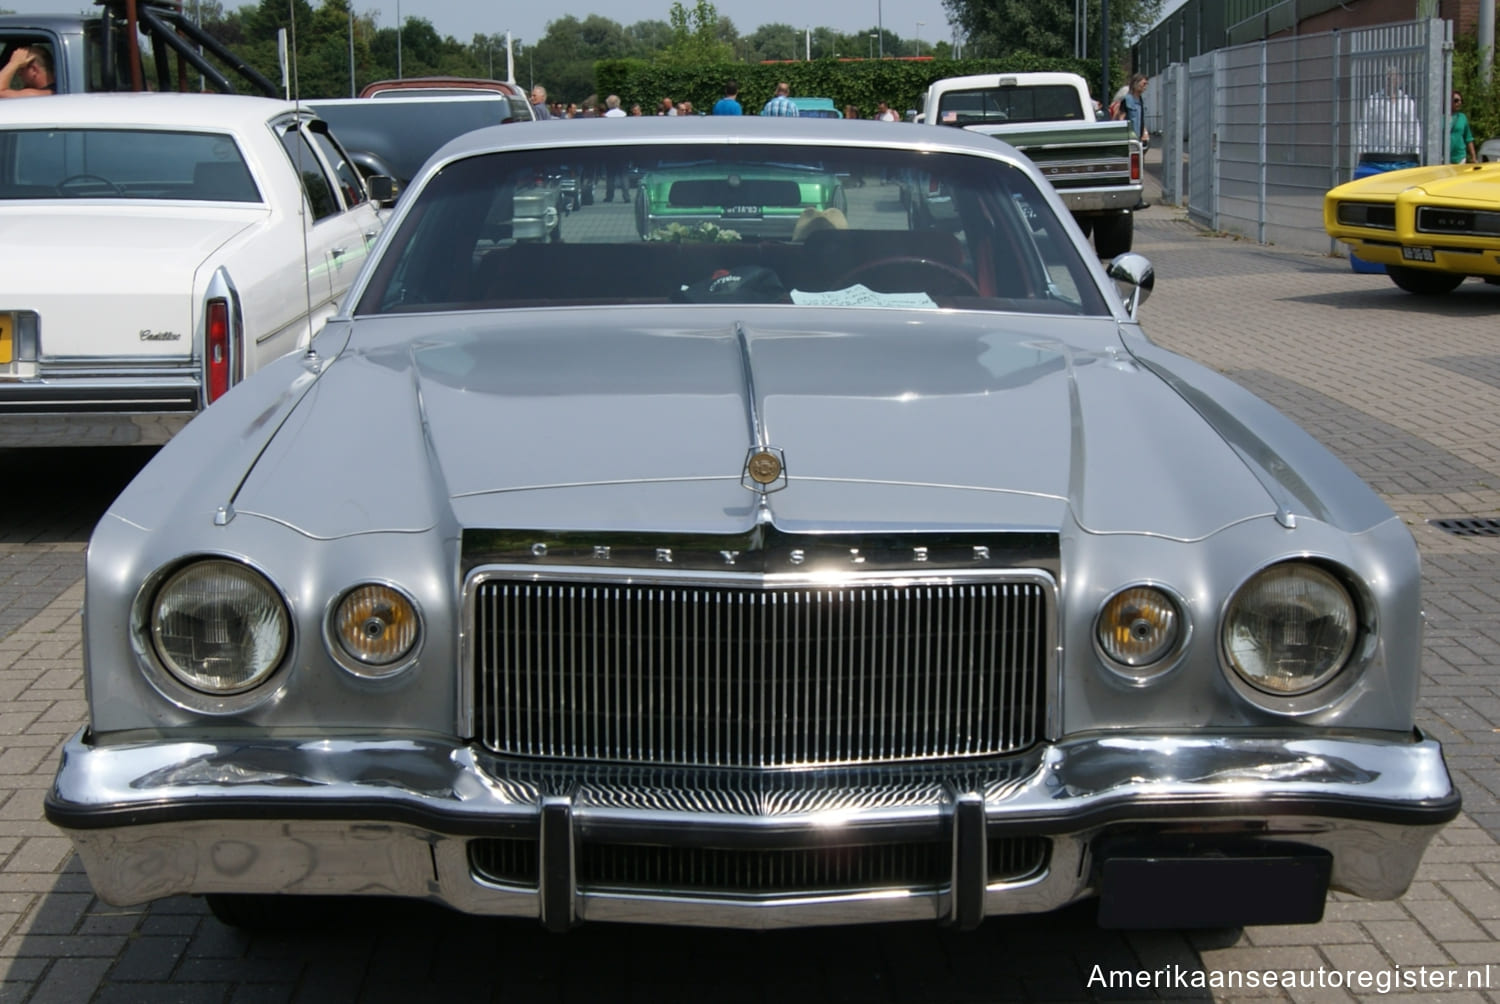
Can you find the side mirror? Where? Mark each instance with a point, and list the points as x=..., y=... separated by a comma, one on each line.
x=1134, y=278
x=383, y=188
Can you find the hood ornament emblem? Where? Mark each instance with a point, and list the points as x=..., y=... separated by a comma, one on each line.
x=765, y=470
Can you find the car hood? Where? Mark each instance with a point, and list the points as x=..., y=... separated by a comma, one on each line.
x=916, y=421
x=1466, y=182
x=140, y=262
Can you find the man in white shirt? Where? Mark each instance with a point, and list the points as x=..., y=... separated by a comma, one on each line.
x=1389, y=130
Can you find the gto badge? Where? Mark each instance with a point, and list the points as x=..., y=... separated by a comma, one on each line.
x=765, y=470
x=147, y=335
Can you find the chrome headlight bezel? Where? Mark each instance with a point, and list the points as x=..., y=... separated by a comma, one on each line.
x=1169, y=653
x=181, y=691
x=1326, y=686
x=350, y=661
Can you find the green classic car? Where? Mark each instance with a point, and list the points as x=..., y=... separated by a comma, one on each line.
x=763, y=201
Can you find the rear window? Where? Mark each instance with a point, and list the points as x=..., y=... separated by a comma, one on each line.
x=1048, y=103
x=123, y=164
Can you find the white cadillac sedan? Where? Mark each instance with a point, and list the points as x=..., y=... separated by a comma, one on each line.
x=161, y=247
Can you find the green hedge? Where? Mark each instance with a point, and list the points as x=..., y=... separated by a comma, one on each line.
x=862, y=83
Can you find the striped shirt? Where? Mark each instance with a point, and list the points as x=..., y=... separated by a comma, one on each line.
x=780, y=105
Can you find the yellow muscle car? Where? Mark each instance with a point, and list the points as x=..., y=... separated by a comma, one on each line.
x=1431, y=227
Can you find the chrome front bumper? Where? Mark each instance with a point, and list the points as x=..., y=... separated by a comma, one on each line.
x=343, y=816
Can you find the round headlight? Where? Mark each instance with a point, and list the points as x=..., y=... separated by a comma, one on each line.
x=1139, y=626
x=1290, y=629
x=375, y=628
x=219, y=627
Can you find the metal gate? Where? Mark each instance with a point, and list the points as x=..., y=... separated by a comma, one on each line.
x=1202, y=124
x=1271, y=126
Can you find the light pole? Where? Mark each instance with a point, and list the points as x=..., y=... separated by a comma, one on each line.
x=919, y=36
x=398, y=39
x=351, y=48
x=880, y=26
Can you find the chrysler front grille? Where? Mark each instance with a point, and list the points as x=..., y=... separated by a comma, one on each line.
x=778, y=676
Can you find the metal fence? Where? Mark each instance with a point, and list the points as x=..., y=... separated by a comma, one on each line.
x=1253, y=136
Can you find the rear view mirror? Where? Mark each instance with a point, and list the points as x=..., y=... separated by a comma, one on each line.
x=383, y=188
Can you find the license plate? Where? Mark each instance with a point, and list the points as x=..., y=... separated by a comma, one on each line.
x=742, y=212
x=1417, y=254
x=7, y=338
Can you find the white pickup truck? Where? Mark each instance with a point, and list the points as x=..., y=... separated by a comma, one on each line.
x=1094, y=165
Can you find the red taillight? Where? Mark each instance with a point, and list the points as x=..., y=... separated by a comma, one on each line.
x=216, y=346
x=1135, y=166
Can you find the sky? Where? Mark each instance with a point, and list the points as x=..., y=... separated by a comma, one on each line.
x=465, y=18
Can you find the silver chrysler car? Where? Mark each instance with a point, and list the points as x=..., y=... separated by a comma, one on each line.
x=686, y=576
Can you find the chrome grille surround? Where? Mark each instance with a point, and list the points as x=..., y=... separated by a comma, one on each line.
x=758, y=670
x=1472, y=222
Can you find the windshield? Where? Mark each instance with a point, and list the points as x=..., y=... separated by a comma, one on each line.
x=718, y=223
x=123, y=164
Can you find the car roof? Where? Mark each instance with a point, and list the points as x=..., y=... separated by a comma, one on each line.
x=148, y=110
x=60, y=23
x=665, y=130
x=391, y=88
x=994, y=79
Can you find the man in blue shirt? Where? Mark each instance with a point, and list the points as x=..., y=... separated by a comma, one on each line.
x=781, y=104
x=728, y=104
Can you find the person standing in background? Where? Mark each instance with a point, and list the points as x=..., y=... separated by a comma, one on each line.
x=1389, y=133
x=1133, y=108
x=539, y=102
x=729, y=104
x=1460, y=135
x=781, y=103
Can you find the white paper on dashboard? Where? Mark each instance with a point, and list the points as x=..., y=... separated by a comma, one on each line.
x=860, y=295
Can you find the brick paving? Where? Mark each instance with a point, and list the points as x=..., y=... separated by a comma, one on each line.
x=1405, y=390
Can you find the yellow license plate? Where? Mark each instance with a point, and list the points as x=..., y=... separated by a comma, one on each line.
x=7, y=339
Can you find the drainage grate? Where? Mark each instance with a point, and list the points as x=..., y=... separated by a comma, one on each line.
x=1466, y=526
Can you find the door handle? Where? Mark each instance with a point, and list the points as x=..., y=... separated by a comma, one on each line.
x=337, y=252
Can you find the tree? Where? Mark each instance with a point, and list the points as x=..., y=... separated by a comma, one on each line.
x=774, y=41
x=647, y=38
x=695, y=36
x=1001, y=28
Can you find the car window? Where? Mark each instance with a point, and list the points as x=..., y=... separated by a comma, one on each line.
x=124, y=164
x=350, y=185
x=316, y=184
x=767, y=224
x=1047, y=103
